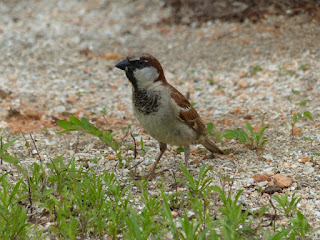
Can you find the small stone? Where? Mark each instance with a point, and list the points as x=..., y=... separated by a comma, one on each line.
x=111, y=157
x=263, y=184
x=308, y=170
x=3, y=124
x=317, y=213
x=297, y=131
x=261, y=178
x=250, y=182
x=270, y=174
x=230, y=155
x=237, y=110
x=265, y=195
x=86, y=165
x=309, y=164
x=286, y=166
x=150, y=166
x=282, y=181
x=272, y=189
x=31, y=113
x=60, y=108
x=242, y=74
x=196, y=161
x=3, y=94
x=270, y=169
x=174, y=214
x=13, y=78
x=218, y=92
x=305, y=159
x=256, y=50
x=190, y=214
x=271, y=184
x=292, y=188
x=243, y=83
x=268, y=157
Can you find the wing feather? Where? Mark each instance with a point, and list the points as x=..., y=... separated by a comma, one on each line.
x=187, y=113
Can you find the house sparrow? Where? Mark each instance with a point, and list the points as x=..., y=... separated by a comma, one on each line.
x=161, y=109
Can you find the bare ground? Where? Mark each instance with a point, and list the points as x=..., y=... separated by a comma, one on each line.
x=57, y=58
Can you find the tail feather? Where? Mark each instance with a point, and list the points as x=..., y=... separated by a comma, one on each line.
x=208, y=144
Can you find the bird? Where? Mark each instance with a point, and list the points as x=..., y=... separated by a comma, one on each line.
x=164, y=113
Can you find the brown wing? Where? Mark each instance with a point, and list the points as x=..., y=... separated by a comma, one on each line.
x=187, y=113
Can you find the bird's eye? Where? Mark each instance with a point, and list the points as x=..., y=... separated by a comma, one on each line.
x=141, y=62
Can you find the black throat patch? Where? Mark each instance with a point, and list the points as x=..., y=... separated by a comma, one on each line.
x=146, y=101
x=130, y=76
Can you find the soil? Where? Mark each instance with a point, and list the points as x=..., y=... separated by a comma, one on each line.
x=57, y=58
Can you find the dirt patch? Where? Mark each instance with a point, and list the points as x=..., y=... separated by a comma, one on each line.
x=57, y=58
x=188, y=11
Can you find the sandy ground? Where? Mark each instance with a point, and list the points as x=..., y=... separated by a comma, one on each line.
x=57, y=58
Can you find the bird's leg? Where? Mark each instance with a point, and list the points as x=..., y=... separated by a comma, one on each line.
x=163, y=148
x=186, y=155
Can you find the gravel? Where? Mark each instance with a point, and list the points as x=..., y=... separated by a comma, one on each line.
x=57, y=58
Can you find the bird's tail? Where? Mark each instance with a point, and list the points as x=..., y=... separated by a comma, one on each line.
x=211, y=146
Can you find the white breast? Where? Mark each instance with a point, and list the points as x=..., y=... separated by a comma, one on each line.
x=164, y=124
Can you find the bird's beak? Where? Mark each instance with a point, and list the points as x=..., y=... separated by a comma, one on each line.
x=123, y=64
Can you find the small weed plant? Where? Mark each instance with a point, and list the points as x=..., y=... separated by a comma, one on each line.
x=81, y=204
x=299, y=116
x=83, y=125
x=256, y=139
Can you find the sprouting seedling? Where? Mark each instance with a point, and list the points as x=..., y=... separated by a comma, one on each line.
x=305, y=66
x=237, y=134
x=142, y=145
x=5, y=146
x=104, y=111
x=287, y=205
x=255, y=69
x=285, y=72
x=211, y=81
x=257, y=139
x=296, y=116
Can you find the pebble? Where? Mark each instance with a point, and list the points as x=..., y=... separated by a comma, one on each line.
x=270, y=174
x=243, y=83
x=305, y=159
x=190, y=214
x=77, y=84
x=269, y=169
x=261, y=178
x=309, y=170
x=309, y=164
x=60, y=108
x=174, y=214
x=263, y=184
x=282, y=181
x=250, y=182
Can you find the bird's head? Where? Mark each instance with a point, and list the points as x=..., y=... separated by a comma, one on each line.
x=142, y=70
